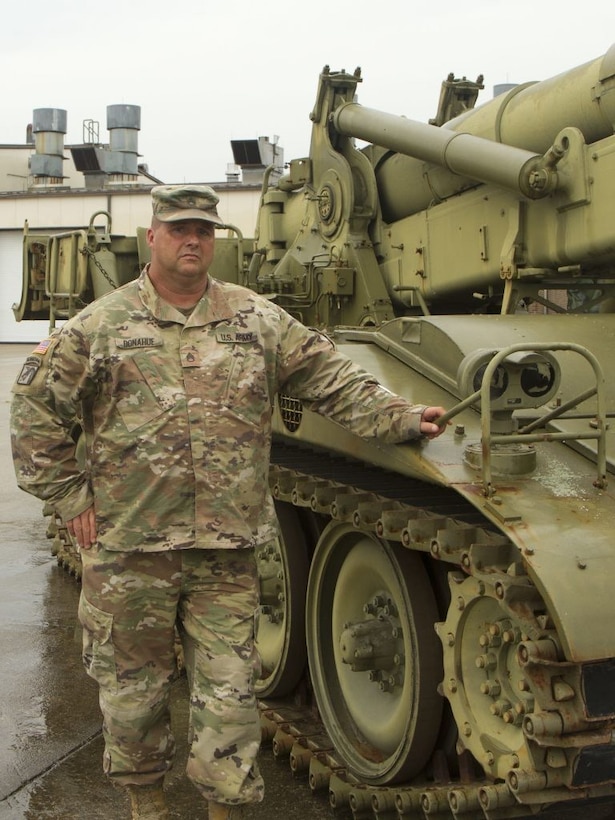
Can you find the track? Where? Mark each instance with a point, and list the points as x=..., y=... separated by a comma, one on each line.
x=492, y=757
x=296, y=735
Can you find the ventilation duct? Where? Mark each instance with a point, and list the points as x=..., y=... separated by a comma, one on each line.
x=46, y=164
x=122, y=160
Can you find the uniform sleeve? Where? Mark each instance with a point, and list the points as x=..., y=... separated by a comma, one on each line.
x=334, y=386
x=45, y=423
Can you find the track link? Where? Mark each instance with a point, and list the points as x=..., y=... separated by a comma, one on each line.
x=420, y=516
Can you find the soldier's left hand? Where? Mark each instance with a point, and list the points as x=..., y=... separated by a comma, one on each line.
x=83, y=528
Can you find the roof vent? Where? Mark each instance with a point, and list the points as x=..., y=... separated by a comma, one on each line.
x=122, y=159
x=46, y=164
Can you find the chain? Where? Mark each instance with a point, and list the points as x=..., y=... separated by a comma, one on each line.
x=88, y=252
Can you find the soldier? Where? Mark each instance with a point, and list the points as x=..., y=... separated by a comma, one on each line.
x=173, y=378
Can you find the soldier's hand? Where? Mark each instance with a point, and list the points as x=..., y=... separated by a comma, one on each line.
x=428, y=427
x=83, y=528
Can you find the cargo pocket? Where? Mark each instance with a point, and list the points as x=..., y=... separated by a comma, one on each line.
x=141, y=392
x=247, y=389
x=98, y=653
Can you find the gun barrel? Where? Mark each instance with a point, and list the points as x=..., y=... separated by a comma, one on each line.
x=530, y=115
x=501, y=142
x=462, y=154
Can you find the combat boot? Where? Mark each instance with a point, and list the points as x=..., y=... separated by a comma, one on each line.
x=147, y=802
x=220, y=811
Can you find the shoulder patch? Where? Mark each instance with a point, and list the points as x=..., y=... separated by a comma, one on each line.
x=42, y=347
x=31, y=377
x=29, y=369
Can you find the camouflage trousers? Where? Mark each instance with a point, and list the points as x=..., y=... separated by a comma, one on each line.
x=130, y=608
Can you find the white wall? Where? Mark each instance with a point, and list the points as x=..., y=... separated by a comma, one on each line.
x=129, y=209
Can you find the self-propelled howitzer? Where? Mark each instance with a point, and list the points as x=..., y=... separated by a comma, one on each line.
x=470, y=265
x=448, y=604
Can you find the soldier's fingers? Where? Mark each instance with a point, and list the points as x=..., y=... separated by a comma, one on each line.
x=89, y=529
x=430, y=430
x=83, y=528
x=75, y=529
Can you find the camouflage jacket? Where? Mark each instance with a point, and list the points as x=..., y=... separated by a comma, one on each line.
x=177, y=414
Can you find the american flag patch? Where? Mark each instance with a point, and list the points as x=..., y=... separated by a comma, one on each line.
x=42, y=347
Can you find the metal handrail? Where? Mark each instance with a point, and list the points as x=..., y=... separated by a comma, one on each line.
x=484, y=393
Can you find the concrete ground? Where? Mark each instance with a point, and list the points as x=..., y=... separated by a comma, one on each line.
x=50, y=741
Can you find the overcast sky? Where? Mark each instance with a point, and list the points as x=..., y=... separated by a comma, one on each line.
x=204, y=73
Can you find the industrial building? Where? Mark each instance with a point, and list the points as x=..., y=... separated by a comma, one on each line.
x=53, y=187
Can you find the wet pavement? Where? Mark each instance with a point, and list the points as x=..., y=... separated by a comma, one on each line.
x=50, y=740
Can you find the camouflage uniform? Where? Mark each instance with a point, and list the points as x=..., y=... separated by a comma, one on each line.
x=176, y=413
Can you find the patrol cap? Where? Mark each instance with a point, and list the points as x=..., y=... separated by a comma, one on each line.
x=171, y=203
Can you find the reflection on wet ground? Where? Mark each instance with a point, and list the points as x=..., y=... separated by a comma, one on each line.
x=74, y=787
